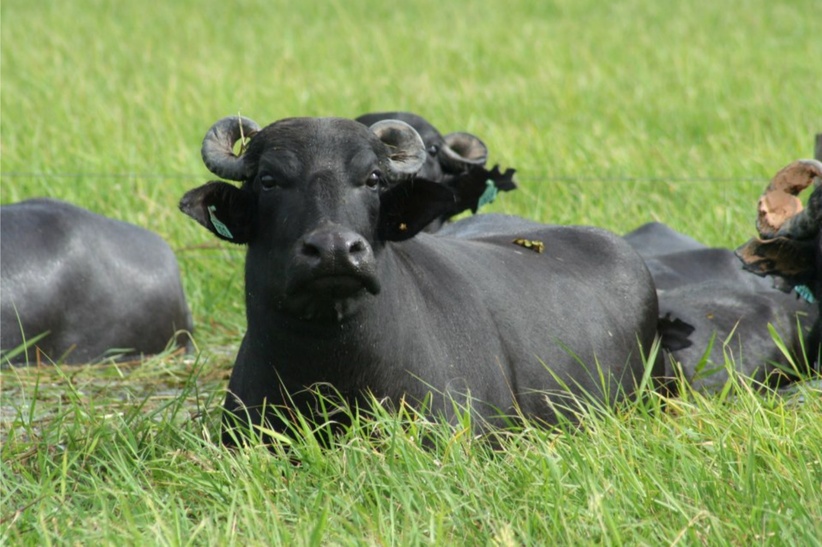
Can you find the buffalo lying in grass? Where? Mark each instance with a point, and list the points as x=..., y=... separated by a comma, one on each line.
x=789, y=245
x=344, y=289
x=712, y=310
x=77, y=286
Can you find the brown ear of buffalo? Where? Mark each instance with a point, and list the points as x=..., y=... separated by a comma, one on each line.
x=779, y=210
x=783, y=257
x=410, y=206
x=223, y=209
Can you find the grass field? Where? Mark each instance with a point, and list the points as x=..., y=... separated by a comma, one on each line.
x=614, y=114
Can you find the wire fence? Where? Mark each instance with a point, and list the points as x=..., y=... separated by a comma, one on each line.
x=32, y=174
x=530, y=177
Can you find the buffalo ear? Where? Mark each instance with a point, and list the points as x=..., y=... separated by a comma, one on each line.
x=225, y=210
x=674, y=332
x=790, y=259
x=410, y=206
x=479, y=186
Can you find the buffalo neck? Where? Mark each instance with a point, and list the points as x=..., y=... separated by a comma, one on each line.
x=402, y=326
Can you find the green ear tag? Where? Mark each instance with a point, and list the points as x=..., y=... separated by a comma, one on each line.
x=805, y=292
x=489, y=195
x=221, y=228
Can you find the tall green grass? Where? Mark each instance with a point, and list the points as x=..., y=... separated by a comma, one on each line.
x=613, y=113
x=743, y=470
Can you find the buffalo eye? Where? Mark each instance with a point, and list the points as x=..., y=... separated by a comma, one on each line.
x=267, y=181
x=433, y=149
x=374, y=179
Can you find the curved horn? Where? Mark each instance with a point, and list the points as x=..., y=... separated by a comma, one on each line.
x=462, y=151
x=406, y=149
x=780, y=212
x=218, y=146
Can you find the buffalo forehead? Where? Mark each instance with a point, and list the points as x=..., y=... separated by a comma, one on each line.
x=298, y=147
x=281, y=163
x=312, y=132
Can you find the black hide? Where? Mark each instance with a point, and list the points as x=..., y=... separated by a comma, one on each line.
x=93, y=283
x=724, y=307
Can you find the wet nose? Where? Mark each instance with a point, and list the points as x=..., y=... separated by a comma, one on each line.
x=334, y=249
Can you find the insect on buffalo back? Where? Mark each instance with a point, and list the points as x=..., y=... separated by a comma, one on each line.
x=533, y=244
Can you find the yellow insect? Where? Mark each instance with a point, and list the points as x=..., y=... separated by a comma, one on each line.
x=533, y=244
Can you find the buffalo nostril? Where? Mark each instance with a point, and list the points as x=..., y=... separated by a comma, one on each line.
x=357, y=247
x=310, y=250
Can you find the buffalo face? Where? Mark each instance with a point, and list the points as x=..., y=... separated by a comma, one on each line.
x=319, y=199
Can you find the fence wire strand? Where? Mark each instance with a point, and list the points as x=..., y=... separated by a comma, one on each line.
x=530, y=177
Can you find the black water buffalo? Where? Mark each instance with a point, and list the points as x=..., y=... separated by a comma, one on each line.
x=78, y=285
x=343, y=289
x=710, y=308
x=456, y=160
x=789, y=246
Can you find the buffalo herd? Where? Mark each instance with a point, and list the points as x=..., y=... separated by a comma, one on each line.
x=360, y=283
